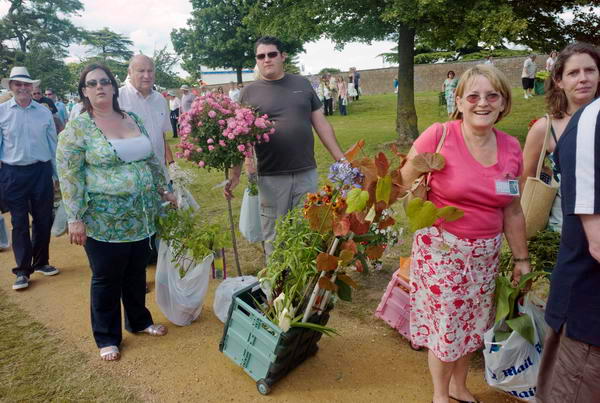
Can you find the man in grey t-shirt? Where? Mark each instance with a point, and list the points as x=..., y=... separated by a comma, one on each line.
x=286, y=164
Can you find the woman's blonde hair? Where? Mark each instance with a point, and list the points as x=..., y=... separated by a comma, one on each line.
x=496, y=78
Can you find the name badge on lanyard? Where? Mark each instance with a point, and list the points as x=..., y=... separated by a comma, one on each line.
x=507, y=186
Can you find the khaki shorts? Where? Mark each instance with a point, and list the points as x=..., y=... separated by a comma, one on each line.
x=569, y=371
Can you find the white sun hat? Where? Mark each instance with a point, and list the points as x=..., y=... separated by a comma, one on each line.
x=19, y=74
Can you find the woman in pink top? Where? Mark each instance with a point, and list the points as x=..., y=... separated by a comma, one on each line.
x=454, y=265
x=343, y=95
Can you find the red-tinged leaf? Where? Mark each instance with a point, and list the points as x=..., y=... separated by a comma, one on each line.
x=396, y=151
x=348, y=280
x=320, y=218
x=427, y=162
x=326, y=262
x=359, y=266
x=396, y=175
x=358, y=225
x=388, y=221
x=326, y=284
x=341, y=227
x=354, y=150
x=368, y=169
x=350, y=245
x=382, y=164
x=346, y=256
x=396, y=193
x=374, y=252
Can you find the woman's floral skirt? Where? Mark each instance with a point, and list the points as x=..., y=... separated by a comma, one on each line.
x=452, y=291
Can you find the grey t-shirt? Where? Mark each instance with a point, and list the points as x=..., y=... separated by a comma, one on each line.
x=289, y=103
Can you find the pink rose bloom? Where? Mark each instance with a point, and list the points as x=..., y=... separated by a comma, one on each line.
x=222, y=143
x=186, y=153
x=210, y=141
x=221, y=122
x=260, y=123
x=201, y=164
x=212, y=114
x=272, y=131
x=230, y=136
x=210, y=148
x=179, y=155
x=199, y=149
x=266, y=137
x=241, y=148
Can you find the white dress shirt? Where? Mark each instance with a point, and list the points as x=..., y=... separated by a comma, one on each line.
x=153, y=110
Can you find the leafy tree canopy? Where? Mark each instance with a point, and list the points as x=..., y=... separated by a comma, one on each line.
x=106, y=44
x=330, y=70
x=448, y=24
x=164, y=63
x=220, y=36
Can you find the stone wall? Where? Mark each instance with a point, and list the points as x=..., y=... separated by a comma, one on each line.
x=429, y=77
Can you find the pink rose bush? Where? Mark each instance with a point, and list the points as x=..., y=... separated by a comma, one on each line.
x=218, y=133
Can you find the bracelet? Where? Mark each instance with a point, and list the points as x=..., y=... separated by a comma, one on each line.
x=523, y=259
x=343, y=159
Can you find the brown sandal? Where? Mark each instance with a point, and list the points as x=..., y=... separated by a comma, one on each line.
x=155, y=330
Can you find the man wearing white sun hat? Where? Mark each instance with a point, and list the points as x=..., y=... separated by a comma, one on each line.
x=27, y=152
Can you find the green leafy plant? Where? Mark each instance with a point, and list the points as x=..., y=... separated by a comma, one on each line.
x=543, y=252
x=190, y=237
x=542, y=75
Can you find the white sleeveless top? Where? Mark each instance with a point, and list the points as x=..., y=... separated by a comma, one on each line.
x=132, y=149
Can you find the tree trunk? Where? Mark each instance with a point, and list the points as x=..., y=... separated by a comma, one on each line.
x=406, y=118
x=238, y=71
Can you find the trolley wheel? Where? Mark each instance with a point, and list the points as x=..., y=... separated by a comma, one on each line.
x=415, y=347
x=263, y=387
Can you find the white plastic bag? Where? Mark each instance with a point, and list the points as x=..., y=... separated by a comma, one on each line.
x=249, y=225
x=59, y=226
x=180, y=299
x=224, y=294
x=185, y=199
x=512, y=365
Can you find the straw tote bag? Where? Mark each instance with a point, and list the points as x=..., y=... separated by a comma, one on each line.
x=420, y=186
x=538, y=197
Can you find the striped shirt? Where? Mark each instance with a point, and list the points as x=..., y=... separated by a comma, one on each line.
x=574, y=298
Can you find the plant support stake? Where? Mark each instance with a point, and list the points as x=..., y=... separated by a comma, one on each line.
x=232, y=228
x=316, y=290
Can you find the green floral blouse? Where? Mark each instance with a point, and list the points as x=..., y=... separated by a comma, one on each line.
x=118, y=201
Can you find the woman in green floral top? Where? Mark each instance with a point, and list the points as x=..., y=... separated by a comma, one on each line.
x=111, y=184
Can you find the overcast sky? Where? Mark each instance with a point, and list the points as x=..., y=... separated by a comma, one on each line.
x=148, y=23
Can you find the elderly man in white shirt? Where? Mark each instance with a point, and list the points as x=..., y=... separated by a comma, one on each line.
x=139, y=97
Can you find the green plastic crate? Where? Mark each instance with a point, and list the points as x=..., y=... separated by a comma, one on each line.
x=261, y=348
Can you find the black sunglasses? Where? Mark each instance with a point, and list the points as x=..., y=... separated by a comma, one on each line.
x=271, y=55
x=93, y=83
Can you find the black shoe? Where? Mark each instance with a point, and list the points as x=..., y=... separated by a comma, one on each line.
x=21, y=282
x=47, y=270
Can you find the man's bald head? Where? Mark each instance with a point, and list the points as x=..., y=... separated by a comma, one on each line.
x=141, y=73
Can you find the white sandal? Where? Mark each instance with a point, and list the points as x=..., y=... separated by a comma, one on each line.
x=108, y=351
x=155, y=330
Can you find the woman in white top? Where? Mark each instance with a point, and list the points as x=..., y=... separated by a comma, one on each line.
x=551, y=60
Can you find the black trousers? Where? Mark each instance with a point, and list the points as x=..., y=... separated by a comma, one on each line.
x=118, y=274
x=328, y=106
x=174, y=121
x=28, y=190
x=357, y=92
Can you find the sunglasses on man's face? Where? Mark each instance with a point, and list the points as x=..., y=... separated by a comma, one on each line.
x=490, y=98
x=93, y=83
x=270, y=55
x=48, y=94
